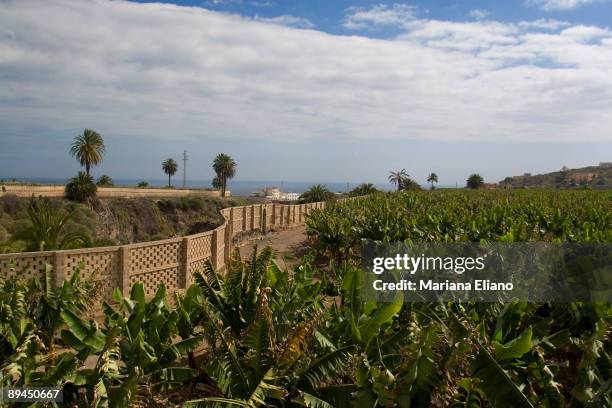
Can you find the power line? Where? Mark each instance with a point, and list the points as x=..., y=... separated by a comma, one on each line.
x=185, y=158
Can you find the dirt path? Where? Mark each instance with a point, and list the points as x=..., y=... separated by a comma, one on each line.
x=290, y=245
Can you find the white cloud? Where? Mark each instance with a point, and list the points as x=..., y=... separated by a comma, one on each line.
x=479, y=14
x=164, y=72
x=586, y=33
x=544, y=24
x=263, y=3
x=555, y=5
x=379, y=15
x=222, y=2
x=287, y=20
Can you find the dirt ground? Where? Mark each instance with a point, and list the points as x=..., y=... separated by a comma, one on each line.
x=289, y=245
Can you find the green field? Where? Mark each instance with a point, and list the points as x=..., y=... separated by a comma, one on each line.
x=258, y=335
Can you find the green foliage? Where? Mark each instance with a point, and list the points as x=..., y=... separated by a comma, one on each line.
x=363, y=189
x=398, y=177
x=403, y=181
x=316, y=193
x=30, y=318
x=170, y=167
x=432, y=178
x=88, y=148
x=47, y=230
x=470, y=354
x=105, y=181
x=81, y=188
x=225, y=169
x=142, y=184
x=465, y=216
x=256, y=335
x=475, y=181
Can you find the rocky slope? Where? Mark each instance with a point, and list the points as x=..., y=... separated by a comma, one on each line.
x=120, y=221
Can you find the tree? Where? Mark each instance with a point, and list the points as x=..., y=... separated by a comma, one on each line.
x=363, y=189
x=216, y=183
x=475, y=181
x=225, y=168
x=105, y=181
x=47, y=229
x=408, y=184
x=397, y=178
x=142, y=184
x=315, y=194
x=81, y=188
x=170, y=167
x=433, y=178
x=88, y=148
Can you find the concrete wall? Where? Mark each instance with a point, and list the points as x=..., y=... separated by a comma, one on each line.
x=171, y=261
x=104, y=192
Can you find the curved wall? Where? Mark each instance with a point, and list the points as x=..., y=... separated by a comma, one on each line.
x=171, y=261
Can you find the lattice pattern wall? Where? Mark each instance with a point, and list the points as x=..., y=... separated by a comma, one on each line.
x=200, y=246
x=199, y=250
x=170, y=261
x=248, y=218
x=237, y=216
x=152, y=279
x=220, y=247
x=25, y=265
x=101, y=266
x=256, y=216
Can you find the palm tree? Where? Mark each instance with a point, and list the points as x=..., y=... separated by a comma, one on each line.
x=46, y=229
x=105, y=181
x=88, y=148
x=315, y=194
x=398, y=177
x=170, y=167
x=475, y=181
x=80, y=188
x=363, y=189
x=433, y=178
x=225, y=168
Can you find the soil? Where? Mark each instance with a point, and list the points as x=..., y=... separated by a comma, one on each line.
x=288, y=244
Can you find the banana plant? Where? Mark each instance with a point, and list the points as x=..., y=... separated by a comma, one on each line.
x=276, y=355
x=140, y=335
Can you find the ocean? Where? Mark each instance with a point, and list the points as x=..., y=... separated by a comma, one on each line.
x=237, y=187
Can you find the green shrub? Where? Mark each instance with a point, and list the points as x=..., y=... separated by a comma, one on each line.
x=316, y=193
x=48, y=229
x=105, y=181
x=81, y=188
x=4, y=235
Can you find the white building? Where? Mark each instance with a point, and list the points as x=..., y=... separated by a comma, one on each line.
x=273, y=193
x=290, y=196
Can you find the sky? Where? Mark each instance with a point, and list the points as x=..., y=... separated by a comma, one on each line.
x=312, y=90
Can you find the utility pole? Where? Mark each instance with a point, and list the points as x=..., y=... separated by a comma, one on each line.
x=185, y=168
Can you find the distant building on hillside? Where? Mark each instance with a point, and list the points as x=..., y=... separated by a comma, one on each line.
x=605, y=165
x=274, y=194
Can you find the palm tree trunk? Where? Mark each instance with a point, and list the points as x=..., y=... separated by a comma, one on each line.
x=87, y=168
x=168, y=180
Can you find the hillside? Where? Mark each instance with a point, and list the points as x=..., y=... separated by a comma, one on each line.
x=119, y=220
x=597, y=177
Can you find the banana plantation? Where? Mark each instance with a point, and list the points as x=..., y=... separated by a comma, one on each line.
x=256, y=335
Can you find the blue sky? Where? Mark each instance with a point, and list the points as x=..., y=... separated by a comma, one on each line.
x=308, y=90
x=329, y=15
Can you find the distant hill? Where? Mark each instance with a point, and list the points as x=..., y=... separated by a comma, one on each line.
x=597, y=177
